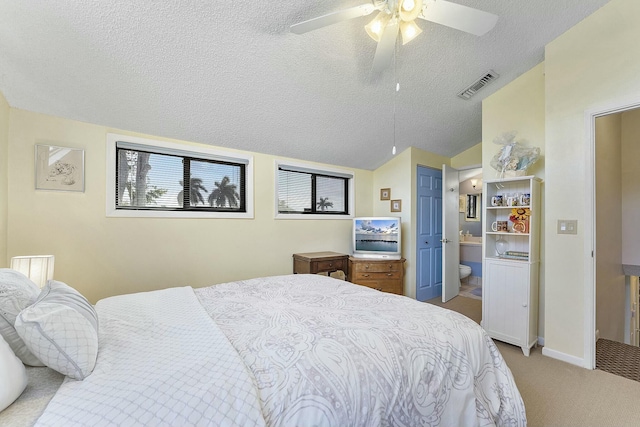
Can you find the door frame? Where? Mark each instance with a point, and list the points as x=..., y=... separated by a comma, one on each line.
x=589, y=260
x=450, y=285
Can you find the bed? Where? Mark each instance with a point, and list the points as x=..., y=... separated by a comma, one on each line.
x=296, y=350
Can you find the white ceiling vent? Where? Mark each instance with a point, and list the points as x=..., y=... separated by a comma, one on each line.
x=478, y=84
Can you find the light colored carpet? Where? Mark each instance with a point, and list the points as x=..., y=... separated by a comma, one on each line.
x=556, y=393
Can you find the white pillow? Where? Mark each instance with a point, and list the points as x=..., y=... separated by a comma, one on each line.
x=61, y=329
x=13, y=376
x=16, y=293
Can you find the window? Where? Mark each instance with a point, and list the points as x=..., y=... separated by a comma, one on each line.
x=154, y=178
x=302, y=191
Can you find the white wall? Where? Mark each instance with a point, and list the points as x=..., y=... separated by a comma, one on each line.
x=610, y=281
x=588, y=67
x=103, y=256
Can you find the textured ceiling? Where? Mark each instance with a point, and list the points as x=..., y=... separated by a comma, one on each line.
x=231, y=74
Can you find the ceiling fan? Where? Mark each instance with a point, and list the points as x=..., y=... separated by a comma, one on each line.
x=400, y=15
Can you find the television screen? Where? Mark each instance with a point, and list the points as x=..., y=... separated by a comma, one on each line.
x=377, y=237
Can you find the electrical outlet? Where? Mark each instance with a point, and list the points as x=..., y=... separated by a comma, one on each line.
x=567, y=226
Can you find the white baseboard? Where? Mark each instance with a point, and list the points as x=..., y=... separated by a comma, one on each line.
x=597, y=334
x=554, y=354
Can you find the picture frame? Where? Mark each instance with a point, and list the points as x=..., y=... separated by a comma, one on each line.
x=396, y=205
x=463, y=203
x=59, y=168
x=385, y=194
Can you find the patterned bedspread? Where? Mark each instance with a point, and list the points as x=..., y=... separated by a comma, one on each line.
x=298, y=350
x=325, y=352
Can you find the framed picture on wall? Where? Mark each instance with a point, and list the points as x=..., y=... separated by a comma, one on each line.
x=59, y=168
x=396, y=206
x=463, y=203
x=385, y=194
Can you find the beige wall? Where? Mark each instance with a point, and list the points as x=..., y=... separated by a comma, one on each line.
x=630, y=187
x=588, y=67
x=4, y=187
x=396, y=175
x=469, y=157
x=519, y=106
x=610, y=282
x=103, y=256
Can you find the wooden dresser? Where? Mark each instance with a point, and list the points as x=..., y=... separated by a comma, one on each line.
x=319, y=262
x=383, y=275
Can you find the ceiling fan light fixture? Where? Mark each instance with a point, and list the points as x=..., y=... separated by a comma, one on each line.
x=409, y=10
x=376, y=27
x=409, y=31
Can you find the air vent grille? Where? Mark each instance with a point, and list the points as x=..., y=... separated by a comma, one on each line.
x=478, y=84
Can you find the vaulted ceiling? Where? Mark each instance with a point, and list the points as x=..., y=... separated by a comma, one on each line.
x=231, y=74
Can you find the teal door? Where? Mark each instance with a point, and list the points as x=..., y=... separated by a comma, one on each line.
x=429, y=234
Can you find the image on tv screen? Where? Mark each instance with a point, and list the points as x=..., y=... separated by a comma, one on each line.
x=377, y=235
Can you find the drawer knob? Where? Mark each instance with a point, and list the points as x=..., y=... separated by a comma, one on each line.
x=389, y=274
x=365, y=275
x=330, y=264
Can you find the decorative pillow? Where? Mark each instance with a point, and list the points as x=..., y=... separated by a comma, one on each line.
x=13, y=376
x=61, y=329
x=16, y=293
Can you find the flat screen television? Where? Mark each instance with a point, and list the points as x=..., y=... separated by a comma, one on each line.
x=377, y=237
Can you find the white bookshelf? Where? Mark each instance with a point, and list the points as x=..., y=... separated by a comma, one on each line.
x=511, y=262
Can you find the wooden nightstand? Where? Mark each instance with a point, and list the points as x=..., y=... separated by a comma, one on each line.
x=383, y=275
x=320, y=262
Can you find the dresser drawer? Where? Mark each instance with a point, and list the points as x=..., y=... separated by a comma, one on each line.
x=394, y=287
x=377, y=267
x=368, y=275
x=331, y=265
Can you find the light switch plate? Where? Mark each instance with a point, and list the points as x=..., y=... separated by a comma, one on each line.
x=567, y=226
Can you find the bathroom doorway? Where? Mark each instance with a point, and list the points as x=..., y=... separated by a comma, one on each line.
x=471, y=203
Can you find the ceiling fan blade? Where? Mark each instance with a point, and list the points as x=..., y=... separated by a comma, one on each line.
x=333, y=18
x=460, y=17
x=386, y=47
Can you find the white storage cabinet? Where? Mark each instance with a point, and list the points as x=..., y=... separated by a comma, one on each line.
x=511, y=263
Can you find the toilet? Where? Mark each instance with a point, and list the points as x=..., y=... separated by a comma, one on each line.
x=465, y=271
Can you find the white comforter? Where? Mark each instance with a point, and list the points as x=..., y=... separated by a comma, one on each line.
x=299, y=350
x=162, y=361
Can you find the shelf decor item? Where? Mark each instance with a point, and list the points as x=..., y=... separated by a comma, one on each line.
x=514, y=157
x=59, y=168
x=520, y=219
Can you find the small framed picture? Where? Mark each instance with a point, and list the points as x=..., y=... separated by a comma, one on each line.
x=385, y=194
x=59, y=168
x=463, y=203
x=396, y=206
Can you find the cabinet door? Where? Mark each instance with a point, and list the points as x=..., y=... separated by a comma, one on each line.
x=505, y=308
